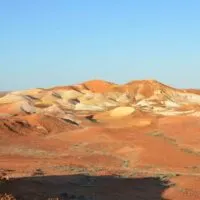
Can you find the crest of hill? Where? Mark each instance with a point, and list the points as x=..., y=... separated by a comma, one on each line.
x=153, y=83
x=98, y=86
x=77, y=88
x=194, y=91
x=147, y=88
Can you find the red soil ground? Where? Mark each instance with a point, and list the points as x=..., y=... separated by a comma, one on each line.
x=148, y=153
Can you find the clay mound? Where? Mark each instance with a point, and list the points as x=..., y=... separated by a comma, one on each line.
x=194, y=91
x=152, y=90
x=69, y=94
x=17, y=126
x=34, y=92
x=9, y=108
x=35, y=124
x=2, y=94
x=150, y=82
x=98, y=86
x=49, y=124
x=77, y=88
x=147, y=88
x=16, y=108
x=58, y=112
x=122, y=111
x=10, y=98
x=135, y=119
x=188, y=107
x=141, y=89
x=97, y=95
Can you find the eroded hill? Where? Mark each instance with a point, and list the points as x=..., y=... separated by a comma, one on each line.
x=140, y=139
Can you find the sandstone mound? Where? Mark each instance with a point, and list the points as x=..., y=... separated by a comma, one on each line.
x=122, y=111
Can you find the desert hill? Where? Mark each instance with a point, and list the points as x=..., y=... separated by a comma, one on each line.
x=142, y=130
x=98, y=95
x=81, y=103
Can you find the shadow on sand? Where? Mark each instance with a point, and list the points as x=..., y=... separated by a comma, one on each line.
x=82, y=187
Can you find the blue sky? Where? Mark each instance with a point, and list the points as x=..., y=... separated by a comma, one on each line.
x=58, y=42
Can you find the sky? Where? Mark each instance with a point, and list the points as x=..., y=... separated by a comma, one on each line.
x=45, y=43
